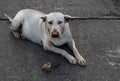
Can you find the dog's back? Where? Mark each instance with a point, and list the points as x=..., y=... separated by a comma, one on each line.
x=31, y=24
x=27, y=14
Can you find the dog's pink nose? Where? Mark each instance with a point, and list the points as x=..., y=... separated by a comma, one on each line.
x=55, y=34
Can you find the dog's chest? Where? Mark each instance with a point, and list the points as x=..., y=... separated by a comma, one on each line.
x=58, y=42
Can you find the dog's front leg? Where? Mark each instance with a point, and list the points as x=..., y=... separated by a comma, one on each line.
x=69, y=57
x=80, y=59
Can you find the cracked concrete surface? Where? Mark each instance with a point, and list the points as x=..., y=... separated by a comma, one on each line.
x=97, y=40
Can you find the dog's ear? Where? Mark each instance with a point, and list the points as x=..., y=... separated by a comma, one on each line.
x=68, y=17
x=44, y=18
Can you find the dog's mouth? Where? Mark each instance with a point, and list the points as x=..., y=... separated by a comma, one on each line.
x=55, y=34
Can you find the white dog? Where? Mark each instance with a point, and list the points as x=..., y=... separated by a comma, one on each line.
x=49, y=30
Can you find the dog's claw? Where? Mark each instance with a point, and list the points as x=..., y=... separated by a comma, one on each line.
x=81, y=61
x=17, y=35
x=72, y=60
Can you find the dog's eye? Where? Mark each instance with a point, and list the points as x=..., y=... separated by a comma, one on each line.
x=59, y=22
x=50, y=22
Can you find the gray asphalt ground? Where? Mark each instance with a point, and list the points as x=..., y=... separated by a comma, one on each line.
x=97, y=40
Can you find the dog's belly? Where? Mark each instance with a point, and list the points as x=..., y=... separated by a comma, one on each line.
x=30, y=25
x=31, y=35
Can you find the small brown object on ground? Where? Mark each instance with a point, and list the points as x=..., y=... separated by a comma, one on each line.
x=47, y=67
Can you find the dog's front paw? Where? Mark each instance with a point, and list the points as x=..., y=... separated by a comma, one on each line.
x=72, y=60
x=81, y=61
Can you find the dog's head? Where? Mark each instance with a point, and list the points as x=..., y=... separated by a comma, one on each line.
x=55, y=23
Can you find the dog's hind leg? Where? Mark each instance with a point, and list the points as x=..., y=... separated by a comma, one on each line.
x=16, y=34
x=22, y=36
x=16, y=27
x=15, y=24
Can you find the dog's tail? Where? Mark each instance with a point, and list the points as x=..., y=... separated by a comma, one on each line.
x=10, y=19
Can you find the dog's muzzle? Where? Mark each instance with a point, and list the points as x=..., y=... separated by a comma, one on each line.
x=55, y=34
